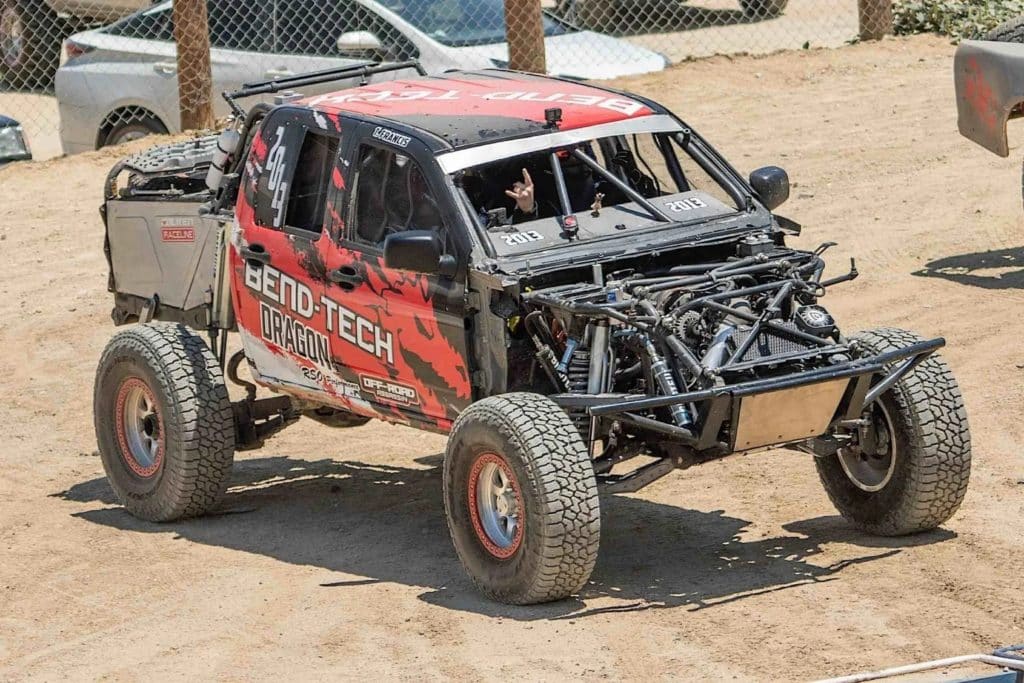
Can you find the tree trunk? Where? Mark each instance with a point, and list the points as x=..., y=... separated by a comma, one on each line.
x=195, y=81
x=525, y=34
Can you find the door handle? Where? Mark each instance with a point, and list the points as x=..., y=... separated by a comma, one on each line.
x=346, y=277
x=279, y=73
x=255, y=253
x=165, y=68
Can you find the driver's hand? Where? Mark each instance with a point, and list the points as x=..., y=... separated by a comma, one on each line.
x=523, y=193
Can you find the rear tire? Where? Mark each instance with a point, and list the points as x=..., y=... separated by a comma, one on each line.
x=164, y=423
x=519, y=457
x=31, y=35
x=919, y=478
x=763, y=9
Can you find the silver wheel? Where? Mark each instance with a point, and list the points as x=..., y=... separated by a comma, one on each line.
x=496, y=505
x=871, y=462
x=140, y=428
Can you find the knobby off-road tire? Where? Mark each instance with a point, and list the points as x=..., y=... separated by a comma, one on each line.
x=528, y=443
x=932, y=455
x=164, y=422
x=1011, y=31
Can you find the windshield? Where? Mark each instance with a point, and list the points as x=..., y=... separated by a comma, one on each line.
x=460, y=24
x=608, y=186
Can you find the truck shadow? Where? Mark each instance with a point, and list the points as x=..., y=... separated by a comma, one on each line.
x=998, y=269
x=386, y=524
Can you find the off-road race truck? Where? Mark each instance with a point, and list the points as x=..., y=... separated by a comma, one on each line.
x=565, y=279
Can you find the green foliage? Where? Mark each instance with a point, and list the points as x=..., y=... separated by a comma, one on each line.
x=959, y=19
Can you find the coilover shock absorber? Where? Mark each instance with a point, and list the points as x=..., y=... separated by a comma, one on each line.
x=662, y=372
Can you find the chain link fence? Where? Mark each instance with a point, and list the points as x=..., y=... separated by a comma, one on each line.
x=80, y=74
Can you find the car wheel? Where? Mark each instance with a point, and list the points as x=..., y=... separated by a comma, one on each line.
x=906, y=469
x=30, y=41
x=133, y=129
x=164, y=423
x=1011, y=31
x=521, y=499
x=763, y=9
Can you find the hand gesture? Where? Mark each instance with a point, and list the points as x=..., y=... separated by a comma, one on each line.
x=523, y=193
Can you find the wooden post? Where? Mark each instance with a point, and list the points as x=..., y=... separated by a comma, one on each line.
x=524, y=30
x=875, y=18
x=195, y=81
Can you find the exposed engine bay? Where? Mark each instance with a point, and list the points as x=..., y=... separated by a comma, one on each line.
x=691, y=363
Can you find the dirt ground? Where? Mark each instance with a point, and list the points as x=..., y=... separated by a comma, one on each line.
x=330, y=557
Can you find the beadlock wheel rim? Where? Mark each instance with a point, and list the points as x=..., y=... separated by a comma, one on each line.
x=496, y=506
x=872, y=469
x=139, y=428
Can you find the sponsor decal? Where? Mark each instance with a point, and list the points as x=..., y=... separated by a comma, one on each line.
x=620, y=104
x=681, y=205
x=296, y=298
x=275, y=183
x=516, y=238
x=177, y=230
x=388, y=391
x=391, y=137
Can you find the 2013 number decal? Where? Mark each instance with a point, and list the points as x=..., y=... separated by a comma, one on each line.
x=517, y=238
x=681, y=205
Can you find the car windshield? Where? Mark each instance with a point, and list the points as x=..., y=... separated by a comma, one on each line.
x=460, y=24
x=599, y=188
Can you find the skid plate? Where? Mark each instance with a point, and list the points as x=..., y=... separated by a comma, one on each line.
x=787, y=415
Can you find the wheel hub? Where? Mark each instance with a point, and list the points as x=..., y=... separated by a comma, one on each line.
x=139, y=428
x=871, y=461
x=495, y=505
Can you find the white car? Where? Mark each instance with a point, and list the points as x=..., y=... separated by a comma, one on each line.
x=120, y=82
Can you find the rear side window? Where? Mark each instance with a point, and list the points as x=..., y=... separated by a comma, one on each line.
x=311, y=185
x=295, y=184
x=234, y=25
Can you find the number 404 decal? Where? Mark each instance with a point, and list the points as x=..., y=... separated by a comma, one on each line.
x=515, y=238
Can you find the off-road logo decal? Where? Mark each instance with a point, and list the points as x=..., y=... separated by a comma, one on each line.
x=681, y=205
x=391, y=137
x=297, y=298
x=515, y=238
x=388, y=391
x=275, y=181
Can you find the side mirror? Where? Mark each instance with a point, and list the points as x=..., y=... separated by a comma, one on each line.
x=418, y=251
x=359, y=41
x=771, y=184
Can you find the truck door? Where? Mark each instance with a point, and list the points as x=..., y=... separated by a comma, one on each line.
x=398, y=336
x=278, y=252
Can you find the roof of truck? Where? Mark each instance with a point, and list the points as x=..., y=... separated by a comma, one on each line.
x=467, y=108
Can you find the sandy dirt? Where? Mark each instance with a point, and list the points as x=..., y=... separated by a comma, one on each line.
x=330, y=556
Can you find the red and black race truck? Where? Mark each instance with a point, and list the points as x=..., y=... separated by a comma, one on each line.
x=567, y=280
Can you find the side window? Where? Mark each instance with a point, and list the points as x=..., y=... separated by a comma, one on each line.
x=293, y=188
x=390, y=195
x=311, y=184
x=152, y=24
x=239, y=25
x=312, y=27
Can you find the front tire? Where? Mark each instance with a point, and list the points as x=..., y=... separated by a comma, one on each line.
x=910, y=474
x=164, y=422
x=134, y=128
x=521, y=499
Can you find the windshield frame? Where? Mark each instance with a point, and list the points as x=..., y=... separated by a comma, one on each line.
x=746, y=210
